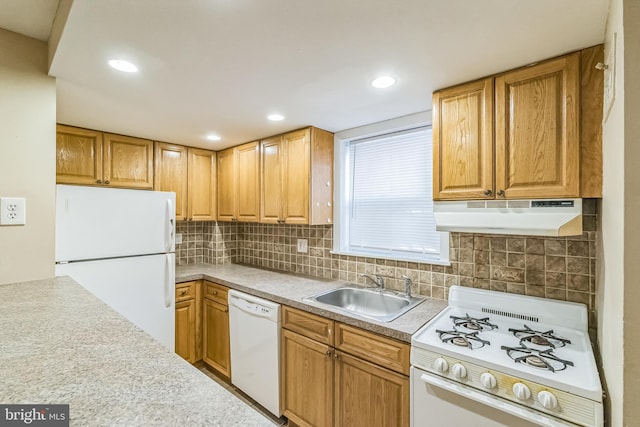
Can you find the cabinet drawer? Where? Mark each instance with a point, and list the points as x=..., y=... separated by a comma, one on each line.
x=216, y=292
x=309, y=325
x=375, y=348
x=185, y=291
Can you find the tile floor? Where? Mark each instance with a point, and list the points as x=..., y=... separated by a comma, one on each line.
x=245, y=398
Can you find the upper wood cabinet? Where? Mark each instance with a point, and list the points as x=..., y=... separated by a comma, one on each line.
x=538, y=130
x=128, y=161
x=201, y=200
x=239, y=183
x=191, y=174
x=78, y=156
x=463, y=141
x=297, y=178
x=519, y=135
x=171, y=174
x=88, y=157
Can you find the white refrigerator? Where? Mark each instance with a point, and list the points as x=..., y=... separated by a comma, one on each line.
x=120, y=245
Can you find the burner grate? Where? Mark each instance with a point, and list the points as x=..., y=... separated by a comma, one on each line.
x=542, y=359
x=462, y=339
x=509, y=314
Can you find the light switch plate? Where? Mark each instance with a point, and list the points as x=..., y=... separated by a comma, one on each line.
x=12, y=211
x=302, y=245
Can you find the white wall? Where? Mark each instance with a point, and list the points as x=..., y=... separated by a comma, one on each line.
x=27, y=156
x=618, y=266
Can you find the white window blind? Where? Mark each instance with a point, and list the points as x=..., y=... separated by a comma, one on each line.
x=389, y=207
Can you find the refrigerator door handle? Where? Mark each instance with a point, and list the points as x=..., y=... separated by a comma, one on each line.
x=168, y=237
x=168, y=289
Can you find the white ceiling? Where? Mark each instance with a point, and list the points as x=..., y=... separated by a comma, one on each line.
x=220, y=66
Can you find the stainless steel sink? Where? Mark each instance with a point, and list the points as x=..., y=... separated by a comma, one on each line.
x=376, y=304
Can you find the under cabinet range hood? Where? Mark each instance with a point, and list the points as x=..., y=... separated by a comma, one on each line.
x=553, y=217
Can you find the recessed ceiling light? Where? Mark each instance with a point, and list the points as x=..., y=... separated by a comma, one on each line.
x=275, y=117
x=213, y=137
x=383, y=82
x=122, y=65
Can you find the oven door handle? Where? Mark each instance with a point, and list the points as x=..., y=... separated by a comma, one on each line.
x=494, y=402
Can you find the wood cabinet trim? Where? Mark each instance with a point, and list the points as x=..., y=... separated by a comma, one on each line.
x=591, y=106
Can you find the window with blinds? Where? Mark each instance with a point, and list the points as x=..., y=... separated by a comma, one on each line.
x=387, y=207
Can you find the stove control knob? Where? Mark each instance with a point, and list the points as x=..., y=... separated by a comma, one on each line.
x=440, y=365
x=548, y=400
x=488, y=381
x=521, y=391
x=459, y=371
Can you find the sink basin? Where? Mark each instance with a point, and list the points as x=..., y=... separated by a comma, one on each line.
x=375, y=304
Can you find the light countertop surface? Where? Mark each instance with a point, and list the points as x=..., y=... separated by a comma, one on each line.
x=60, y=344
x=290, y=290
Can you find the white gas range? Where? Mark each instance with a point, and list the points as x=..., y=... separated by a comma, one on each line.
x=496, y=359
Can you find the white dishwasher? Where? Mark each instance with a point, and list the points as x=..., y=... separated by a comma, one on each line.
x=254, y=329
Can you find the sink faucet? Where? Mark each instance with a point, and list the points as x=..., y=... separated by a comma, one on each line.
x=376, y=279
x=407, y=285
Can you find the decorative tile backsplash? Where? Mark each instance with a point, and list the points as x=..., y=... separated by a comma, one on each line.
x=552, y=267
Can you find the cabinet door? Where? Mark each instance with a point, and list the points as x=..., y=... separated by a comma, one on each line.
x=307, y=380
x=201, y=201
x=537, y=130
x=248, y=182
x=227, y=185
x=216, y=337
x=171, y=174
x=368, y=395
x=463, y=141
x=128, y=162
x=271, y=169
x=185, y=330
x=295, y=206
x=78, y=156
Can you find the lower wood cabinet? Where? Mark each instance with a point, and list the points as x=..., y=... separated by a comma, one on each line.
x=369, y=395
x=215, y=319
x=338, y=375
x=307, y=370
x=188, y=333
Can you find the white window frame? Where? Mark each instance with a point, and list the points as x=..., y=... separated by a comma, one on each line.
x=341, y=205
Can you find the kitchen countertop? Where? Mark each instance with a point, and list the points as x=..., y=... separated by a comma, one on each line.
x=62, y=345
x=290, y=289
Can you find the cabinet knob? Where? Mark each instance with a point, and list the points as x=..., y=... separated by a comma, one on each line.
x=488, y=192
x=107, y=182
x=184, y=292
x=328, y=353
x=500, y=193
x=99, y=181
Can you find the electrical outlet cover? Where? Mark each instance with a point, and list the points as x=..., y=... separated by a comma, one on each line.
x=302, y=245
x=12, y=211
